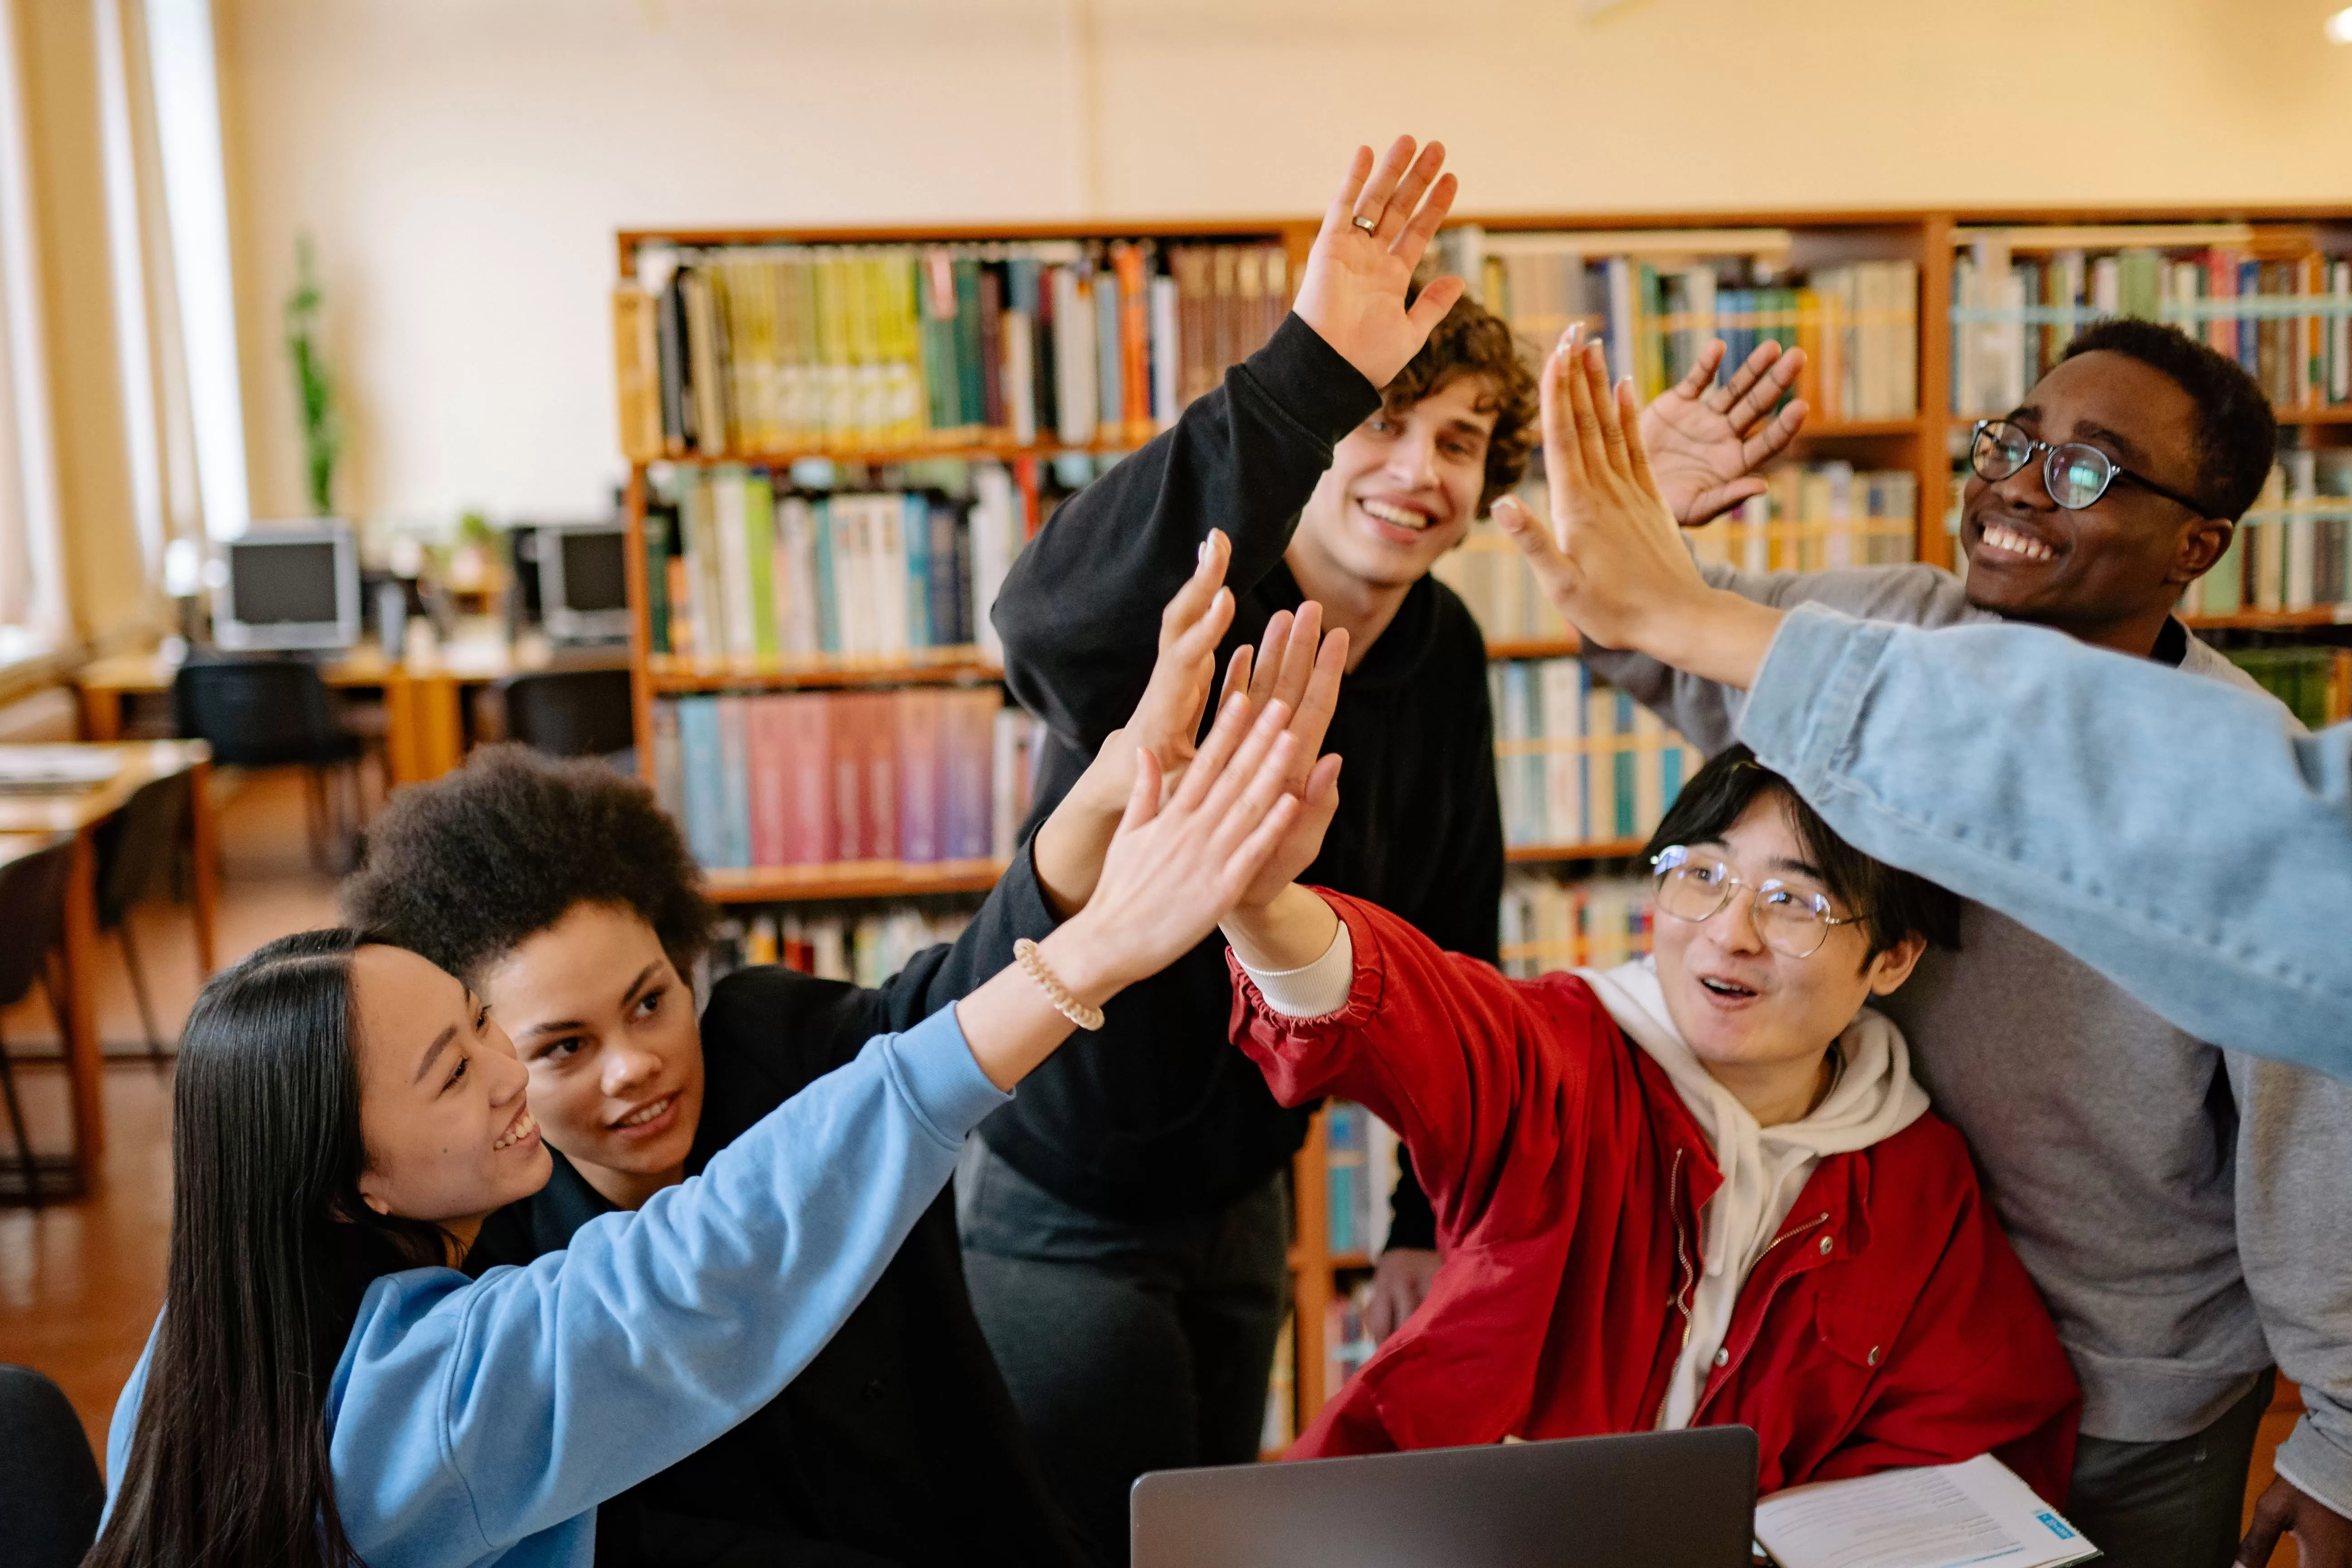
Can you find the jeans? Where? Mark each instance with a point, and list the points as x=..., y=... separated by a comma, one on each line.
x=51, y=1493
x=2174, y=1504
x=1129, y=1345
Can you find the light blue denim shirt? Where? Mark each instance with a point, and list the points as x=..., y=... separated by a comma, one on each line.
x=482, y=1421
x=2167, y=830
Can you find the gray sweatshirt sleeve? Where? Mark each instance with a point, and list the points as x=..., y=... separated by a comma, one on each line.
x=1706, y=713
x=2294, y=1231
x=2165, y=829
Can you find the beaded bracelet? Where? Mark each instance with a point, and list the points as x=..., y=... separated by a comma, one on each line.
x=1032, y=964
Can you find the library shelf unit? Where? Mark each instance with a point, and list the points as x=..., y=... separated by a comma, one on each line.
x=1932, y=240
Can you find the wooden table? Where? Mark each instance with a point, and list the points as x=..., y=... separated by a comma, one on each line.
x=425, y=724
x=28, y=822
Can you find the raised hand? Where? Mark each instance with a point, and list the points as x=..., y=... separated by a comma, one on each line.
x=1705, y=442
x=1616, y=566
x=1353, y=291
x=1175, y=869
x=1616, y=555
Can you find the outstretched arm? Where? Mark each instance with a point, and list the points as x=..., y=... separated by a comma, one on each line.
x=2167, y=831
x=1076, y=609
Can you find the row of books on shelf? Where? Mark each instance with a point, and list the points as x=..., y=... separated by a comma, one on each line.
x=1552, y=922
x=914, y=777
x=1577, y=760
x=1857, y=322
x=2287, y=321
x=2316, y=683
x=743, y=568
x=2293, y=550
x=862, y=949
x=766, y=348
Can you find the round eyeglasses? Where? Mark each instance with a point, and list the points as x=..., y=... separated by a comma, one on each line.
x=1694, y=885
x=2074, y=474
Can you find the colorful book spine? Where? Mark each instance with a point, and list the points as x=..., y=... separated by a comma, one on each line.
x=1578, y=763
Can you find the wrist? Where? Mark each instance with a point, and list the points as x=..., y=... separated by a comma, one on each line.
x=1085, y=960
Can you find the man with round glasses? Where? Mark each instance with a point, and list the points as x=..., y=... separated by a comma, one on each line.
x=2164, y=1194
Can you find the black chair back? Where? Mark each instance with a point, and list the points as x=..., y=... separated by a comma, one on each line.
x=139, y=845
x=259, y=714
x=32, y=918
x=571, y=712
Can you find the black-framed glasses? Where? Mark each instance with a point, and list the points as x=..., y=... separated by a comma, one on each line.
x=1694, y=885
x=2074, y=474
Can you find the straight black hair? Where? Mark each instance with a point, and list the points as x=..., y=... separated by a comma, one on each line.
x=1892, y=904
x=271, y=1250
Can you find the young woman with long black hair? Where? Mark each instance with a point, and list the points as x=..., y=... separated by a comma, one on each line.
x=324, y=1387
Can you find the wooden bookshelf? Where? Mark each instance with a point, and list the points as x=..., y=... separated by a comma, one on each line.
x=850, y=879
x=1807, y=238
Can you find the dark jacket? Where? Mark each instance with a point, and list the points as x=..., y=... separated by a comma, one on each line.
x=898, y=1444
x=1158, y=1115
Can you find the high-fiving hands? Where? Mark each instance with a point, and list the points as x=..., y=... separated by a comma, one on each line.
x=1614, y=564
x=1353, y=291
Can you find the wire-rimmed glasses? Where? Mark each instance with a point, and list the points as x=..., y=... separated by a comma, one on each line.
x=1694, y=885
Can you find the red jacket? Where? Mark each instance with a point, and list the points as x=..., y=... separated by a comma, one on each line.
x=1889, y=1324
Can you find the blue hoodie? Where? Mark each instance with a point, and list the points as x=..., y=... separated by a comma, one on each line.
x=482, y=1421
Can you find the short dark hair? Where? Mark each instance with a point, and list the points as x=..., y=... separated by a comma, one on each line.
x=1892, y=904
x=1473, y=341
x=2237, y=434
x=466, y=868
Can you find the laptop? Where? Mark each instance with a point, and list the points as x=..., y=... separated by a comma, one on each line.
x=1652, y=1500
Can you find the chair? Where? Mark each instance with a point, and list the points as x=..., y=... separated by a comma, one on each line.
x=51, y=1493
x=272, y=712
x=32, y=915
x=571, y=712
x=136, y=848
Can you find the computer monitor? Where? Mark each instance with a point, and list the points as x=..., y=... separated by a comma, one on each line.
x=584, y=580
x=288, y=585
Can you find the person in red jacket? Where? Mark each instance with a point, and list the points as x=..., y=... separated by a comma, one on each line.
x=1698, y=1190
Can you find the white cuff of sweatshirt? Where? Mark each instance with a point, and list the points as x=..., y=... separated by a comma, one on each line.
x=1316, y=991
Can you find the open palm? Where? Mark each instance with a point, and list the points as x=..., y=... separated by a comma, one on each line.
x=1353, y=291
x=1705, y=442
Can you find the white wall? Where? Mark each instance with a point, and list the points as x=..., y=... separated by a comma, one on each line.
x=463, y=164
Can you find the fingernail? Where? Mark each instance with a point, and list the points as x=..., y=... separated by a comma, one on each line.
x=1201, y=556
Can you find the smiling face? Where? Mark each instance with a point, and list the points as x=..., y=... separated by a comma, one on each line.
x=1759, y=1020
x=607, y=1030
x=1401, y=488
x=2110, y=573
x=443, y=1108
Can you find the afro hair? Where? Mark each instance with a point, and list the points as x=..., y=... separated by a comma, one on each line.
x=466, y=868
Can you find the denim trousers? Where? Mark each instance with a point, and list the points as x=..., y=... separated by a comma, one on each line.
x=1130, y=1346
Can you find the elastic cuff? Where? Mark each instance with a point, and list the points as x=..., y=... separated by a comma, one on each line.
x=934, y=1067
x=2316, y=1467
x=1316, y=990
x=1808, y=695
x=1310, y=382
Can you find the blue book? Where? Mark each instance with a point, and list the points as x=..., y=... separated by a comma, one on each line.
x=941, y=575
x=915, y=530
x=1109, y=387
x=734, y=785
x=828, y=612
x=706, y=811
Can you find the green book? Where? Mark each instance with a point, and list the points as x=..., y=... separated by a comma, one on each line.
x=973, y=394
x=658, y=538
x=760, y=558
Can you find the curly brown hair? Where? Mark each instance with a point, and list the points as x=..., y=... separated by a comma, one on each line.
x=1473, y=341
x=465, y=869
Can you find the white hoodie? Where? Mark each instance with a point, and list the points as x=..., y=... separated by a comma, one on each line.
x=1764, y=1168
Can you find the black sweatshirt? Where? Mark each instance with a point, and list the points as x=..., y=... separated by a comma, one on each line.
x=898, y=1444
x=1158, y=1115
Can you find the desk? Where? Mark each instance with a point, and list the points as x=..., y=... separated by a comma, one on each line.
x=27, y=821
x=424, y=722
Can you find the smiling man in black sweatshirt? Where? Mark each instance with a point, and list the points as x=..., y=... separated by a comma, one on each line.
x=1125, y=1226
